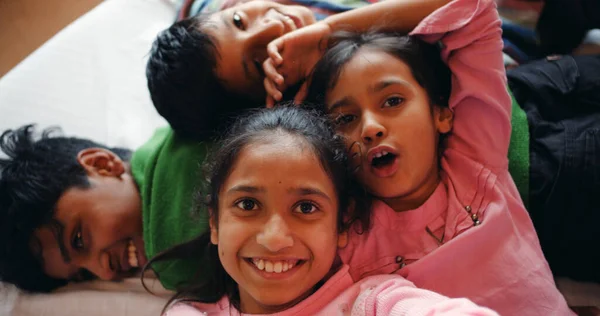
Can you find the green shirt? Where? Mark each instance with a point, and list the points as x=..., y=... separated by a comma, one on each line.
x=167, y=172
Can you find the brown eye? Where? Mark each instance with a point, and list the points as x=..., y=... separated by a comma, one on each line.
x=393, y=101
x=343, y=119
x=77, y=240
x=237, y=21
x=306, y=208
x=247, y=205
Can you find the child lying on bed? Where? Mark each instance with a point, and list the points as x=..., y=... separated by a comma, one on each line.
x=73, y=209
x=185, y=87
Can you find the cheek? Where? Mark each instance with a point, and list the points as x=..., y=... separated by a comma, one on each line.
x=232, y=233
x=323, y=242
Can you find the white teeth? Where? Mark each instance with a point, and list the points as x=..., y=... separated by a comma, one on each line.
x=277, y=267
x=377, y=155
x=269, y=266
x=132, y=252
x=273, y=267
x=383, y=153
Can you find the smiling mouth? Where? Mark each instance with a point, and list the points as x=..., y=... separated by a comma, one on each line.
x=274, y=266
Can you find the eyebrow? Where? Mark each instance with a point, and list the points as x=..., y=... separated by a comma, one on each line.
x=246, y=188
x=374, y=88
x=299, y=191
x=58, y=232
x=341, y=103
x=309, y=191
x=386, y=83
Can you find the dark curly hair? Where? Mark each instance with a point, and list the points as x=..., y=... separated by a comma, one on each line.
x=33, y=176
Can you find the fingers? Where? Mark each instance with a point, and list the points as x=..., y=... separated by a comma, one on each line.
x=301, y=94
x=271, y=72
x=273, y=50
x=272, y=91
x=270, y=103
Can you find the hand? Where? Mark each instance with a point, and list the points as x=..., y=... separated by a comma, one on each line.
x=292, y=58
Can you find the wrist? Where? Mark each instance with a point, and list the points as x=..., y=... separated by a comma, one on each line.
x=326, y=31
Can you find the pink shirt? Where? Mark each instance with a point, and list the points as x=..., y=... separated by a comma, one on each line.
x=498, y=263
x=377, y=295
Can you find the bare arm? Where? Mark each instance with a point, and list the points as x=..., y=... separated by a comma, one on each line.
x=293, y=55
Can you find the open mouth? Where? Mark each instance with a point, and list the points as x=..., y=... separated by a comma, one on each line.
x=275, y=266
x=383, y=161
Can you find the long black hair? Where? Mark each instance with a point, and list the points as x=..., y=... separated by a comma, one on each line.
x=262, y=125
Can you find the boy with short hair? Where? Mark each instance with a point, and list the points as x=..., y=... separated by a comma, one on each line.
x=74, y=209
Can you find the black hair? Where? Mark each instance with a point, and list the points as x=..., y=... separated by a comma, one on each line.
x=33, y=176
x=262, y=125
x=183, y=84
x=423, y=59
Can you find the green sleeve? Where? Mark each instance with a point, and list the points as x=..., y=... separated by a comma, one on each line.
x=167, y=171
x=518, y=150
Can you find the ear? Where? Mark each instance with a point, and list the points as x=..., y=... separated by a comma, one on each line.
x=443, y=119
x=214, y=234
x=100, y=161
x=342, y=239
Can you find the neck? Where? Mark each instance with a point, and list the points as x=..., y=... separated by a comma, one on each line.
x=417, y=197
x=249, y=305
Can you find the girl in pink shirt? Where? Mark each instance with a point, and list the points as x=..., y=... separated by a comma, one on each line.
x=279, y=199
x=449, y=217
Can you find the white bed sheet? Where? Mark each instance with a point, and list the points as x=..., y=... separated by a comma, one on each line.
x=90, y=80
x=90, y=77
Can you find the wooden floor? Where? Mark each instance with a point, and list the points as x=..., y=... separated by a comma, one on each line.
x=27, y=24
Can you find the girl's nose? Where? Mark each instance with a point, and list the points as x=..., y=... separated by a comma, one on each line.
x=372, y=130
x=275, y=235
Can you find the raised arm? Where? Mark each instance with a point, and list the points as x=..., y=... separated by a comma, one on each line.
x=294, y=55
x=470, y=33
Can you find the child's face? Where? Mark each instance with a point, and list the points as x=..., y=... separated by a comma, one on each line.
x=277, y=235
x=98, y=223
x=386, y=117
x=243, y=32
